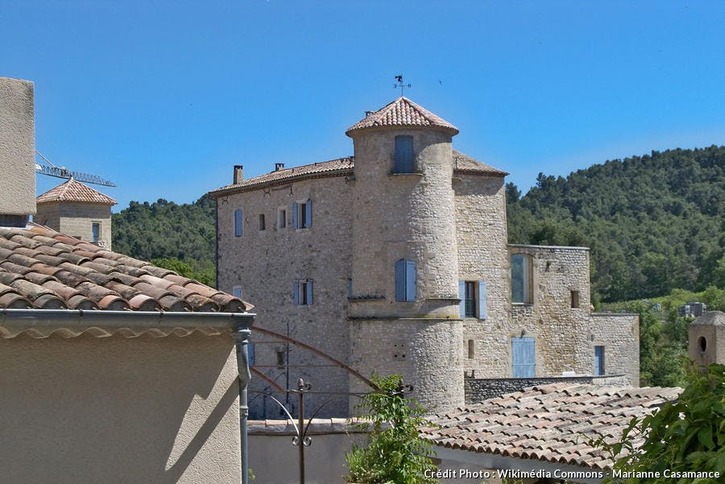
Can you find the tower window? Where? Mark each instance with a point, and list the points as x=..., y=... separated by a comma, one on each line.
x=262, y=224
x=404, y=159
x=405, y=284
x=281, y=218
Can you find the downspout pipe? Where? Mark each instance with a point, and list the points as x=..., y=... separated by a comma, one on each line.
x=241, y=336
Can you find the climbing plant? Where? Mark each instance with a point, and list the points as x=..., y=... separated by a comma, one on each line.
x=395, y=452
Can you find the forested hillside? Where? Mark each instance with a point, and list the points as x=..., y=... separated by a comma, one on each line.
x=653, y=222
x=178, y=237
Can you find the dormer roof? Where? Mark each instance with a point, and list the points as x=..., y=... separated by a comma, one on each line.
x=75, y=191
x=403, y=113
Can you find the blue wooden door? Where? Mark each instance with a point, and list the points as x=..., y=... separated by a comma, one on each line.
x=523, y=357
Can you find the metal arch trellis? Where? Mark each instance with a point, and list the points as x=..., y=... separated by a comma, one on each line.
x=319, y=353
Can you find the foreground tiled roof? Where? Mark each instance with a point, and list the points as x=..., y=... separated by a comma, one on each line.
x=403, y=113
x=553, y=423
x=463, y=164
x=44, y=269
x=75, y=191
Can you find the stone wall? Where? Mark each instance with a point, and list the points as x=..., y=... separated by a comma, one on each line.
x=425, y=351
x=77, y=219
x=483, y=256
x=619, y=334
x=480, y=389
x=266, y=263
x=559, y=330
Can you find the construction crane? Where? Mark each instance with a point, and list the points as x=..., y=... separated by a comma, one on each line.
x=48, y=168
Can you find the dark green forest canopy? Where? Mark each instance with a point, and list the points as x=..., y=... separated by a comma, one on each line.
x=653, y=222
x=179, y=237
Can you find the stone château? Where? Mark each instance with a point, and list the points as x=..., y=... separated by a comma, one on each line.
x=396, y=260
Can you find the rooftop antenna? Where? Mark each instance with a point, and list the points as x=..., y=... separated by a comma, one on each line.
x=48, y=168
x=400, y=84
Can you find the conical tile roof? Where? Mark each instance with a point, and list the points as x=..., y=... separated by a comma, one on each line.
x=403, y=113
x=75, y=191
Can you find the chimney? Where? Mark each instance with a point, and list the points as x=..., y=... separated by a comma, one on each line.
x=278, y=166
x=238, y=174
x=17, y=152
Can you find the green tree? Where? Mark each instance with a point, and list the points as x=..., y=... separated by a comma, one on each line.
x=395, y=452
x=683, y=440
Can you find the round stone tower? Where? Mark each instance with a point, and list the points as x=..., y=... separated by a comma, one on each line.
x=404, y=305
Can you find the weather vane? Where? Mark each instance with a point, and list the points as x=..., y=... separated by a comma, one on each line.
x=400, y=84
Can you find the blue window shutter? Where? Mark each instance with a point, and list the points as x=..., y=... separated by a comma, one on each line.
x=462, y=295
x=410, y=282
x=481, y=300
x=295, y=215
x=296, y=292
x=523, y=357
x=308, y=214
x=599, y=360
x=238, y=223
x=309, y=292
x=403, y=154
x=400, y=280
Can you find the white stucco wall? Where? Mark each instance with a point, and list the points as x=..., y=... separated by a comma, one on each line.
x=91, y=410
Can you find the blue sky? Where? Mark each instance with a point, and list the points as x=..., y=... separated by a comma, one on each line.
x=164, y=96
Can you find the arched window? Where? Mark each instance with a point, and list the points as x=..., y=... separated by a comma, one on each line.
x=521, y=279
x=405, y=280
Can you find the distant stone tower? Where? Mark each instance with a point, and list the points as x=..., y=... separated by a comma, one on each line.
x=706, y=339
x=77, y=210
x=404, y=304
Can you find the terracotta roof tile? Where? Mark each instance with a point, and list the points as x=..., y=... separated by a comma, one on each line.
x=43, y=269
x=404, y=113
x=463, y=164
x=553, y=423
x=75, y=191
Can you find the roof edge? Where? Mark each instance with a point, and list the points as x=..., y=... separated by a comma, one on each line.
x=69, y=323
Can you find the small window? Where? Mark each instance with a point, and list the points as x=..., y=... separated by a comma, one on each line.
x=281, y=358
x=473, y=299
x=404, y=158
x=281, y=218
x=471, y=349
x=95, y=232
x=574, y=299
x=302, y=292
x=405, y=283
x=599, y=360
x=302, y=215
x=262, y=224
x=521, y=279
x=238, y=223
x=237, y=291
